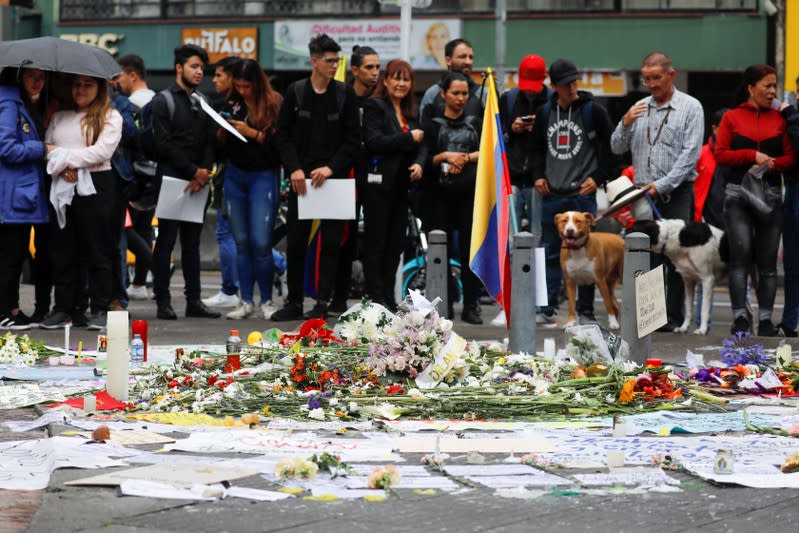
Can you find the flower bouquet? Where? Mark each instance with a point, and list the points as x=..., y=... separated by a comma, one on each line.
x=17, y=351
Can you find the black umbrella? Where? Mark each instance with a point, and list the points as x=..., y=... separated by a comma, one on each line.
x=59, y=55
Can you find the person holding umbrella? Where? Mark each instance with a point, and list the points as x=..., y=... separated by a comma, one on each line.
x=80, y=144
x=22, y=185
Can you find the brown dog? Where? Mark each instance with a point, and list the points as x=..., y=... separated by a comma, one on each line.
x=587, y=258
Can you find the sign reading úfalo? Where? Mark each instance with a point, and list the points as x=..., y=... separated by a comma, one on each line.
x=224, y=42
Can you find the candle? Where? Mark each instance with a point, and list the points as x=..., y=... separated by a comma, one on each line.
x=66, y=338
x=118, y=356
x=615, y=459
x=549, y=349
x=90, y=403
x=783, y=355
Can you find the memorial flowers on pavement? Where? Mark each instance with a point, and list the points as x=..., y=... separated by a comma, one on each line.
x=18, y=350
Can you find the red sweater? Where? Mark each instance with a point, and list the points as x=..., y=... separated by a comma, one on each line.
x=746, y=130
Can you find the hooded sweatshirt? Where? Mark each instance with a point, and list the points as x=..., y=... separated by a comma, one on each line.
x=563, y=152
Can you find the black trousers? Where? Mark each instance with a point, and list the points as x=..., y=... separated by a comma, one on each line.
x=123, y=194
x=298, y=231
x=679, y=204
x=189, y=259
x=143, y=228
x=14, y=240
x=386, y=218
x=86, y=243
x=453, y=211
x=41, y=268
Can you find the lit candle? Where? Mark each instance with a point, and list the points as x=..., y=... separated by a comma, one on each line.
x=118, y=356
x=90, y=403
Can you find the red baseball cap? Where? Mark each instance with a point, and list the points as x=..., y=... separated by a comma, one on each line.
x=532, y=73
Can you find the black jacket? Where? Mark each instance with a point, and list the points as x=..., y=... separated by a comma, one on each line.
x=185, y=142
x=342, y=136
x=393, y=149
x=519, y=146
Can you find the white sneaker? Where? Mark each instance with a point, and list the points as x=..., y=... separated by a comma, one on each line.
x=241, y=312
x=138, y=293
x=499, y=320
x=268, y=309
x=221, y=299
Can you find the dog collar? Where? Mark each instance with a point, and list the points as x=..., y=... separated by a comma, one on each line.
x=575, y=246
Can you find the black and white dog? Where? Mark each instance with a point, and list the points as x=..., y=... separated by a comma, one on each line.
x=699, y=252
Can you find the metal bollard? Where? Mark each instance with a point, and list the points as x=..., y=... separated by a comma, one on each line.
x=522, y=314
x=636, y=261
x=437, y=271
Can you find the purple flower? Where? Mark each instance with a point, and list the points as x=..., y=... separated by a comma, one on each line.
x=738, y=350
x=313, y=402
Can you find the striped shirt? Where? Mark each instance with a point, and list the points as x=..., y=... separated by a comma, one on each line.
x=665, y=142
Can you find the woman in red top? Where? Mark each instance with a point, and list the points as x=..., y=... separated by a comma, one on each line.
x=750, y=135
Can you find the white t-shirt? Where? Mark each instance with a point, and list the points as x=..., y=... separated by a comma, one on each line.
x=141, y=97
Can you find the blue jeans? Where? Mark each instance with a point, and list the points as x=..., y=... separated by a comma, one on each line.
x=790, y=254
x=227, y=254
x=251, y=198
x=552, y=205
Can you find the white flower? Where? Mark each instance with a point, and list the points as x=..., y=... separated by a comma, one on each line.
x=317, y=414
x=353, y=407
x=445, y=325
x=416, y=394
x=333, y=401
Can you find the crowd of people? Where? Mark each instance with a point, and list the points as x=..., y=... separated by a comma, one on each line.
x=82, y=165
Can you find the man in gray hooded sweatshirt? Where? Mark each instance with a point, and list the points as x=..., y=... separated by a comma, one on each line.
x=572, y=153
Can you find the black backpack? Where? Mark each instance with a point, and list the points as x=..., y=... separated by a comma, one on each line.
x=147, y=144
x=458, y=136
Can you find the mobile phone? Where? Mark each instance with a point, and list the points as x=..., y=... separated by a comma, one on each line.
x=225, y=114
x=528, y=118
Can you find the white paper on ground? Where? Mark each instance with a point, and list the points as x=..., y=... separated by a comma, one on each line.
x=647, y=477
x=278, y=444
x=334, y=200
x=133, y=437
x=432, y=482
x=180, y=474
x=256, y=494
x=762, y=476
x=149, y=458
x=74, y=374
x=404, y=470
x=27, y=465
x=161, y=490
x=15, y=396
x=455, y=445
x=50, y=417
x=541, y=296
x=344, y=493
x=508, y=482
x=491, y=470
x=176, y=204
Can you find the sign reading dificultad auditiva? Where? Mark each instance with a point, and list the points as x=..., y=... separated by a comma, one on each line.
x=650, y=301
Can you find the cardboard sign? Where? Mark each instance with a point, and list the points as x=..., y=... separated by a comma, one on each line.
x=650, y=301
x=179, y=474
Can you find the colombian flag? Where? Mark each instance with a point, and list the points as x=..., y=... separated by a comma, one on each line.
x=313, y=248
x=489, y=258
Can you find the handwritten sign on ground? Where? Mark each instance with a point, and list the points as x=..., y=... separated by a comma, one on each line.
x=442, y=364
x=178, y=474
x=647, y=477
x=16, y=396
x=650, y=301
x=27, y=465
x=760, y=476
x=530, y=480
x=134, y=437
x=278, y=444
x=455, y=445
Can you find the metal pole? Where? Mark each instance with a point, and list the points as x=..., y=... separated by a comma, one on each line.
x=522, y=314
x=405, y=30
x=501, y=13
x=437, y=269
x=636, y=261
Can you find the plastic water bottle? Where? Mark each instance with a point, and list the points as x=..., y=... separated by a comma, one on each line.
x=137, y=350
x=233, y=349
